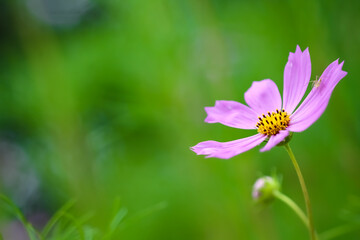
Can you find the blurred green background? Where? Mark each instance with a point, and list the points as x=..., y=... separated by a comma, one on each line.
x=101, y=100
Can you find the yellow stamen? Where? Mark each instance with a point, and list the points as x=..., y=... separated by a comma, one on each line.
x=271, y=123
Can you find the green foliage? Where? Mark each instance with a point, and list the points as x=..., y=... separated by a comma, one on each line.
x=63, y=225
x=33, y=234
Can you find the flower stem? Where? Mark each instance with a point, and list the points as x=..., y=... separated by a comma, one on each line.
x=288, y=201
x=305, y=192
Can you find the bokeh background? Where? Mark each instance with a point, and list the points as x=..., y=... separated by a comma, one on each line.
x=101, y=100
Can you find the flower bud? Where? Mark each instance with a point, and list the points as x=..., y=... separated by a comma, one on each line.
x=264, y=189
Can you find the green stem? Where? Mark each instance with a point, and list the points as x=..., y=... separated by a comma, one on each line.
x=288, y=201
x=304, y=190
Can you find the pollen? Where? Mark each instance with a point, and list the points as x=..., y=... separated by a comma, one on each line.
x=271, y=123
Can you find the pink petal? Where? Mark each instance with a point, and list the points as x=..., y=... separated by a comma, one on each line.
x=275, y=140
x=263, y=96
x=317, y=100
x=232, y=114
x=226, y=150
x=296, y=78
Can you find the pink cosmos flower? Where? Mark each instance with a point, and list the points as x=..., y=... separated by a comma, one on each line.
x=272, y=118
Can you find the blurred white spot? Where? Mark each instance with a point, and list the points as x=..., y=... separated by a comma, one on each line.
x=16, y=174
x=59, y=12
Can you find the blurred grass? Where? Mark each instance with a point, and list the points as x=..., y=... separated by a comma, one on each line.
x=109, y=107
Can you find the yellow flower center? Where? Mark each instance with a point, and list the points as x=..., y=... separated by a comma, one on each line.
x=272, y=123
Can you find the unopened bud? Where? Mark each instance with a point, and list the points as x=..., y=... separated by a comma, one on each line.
x=264, y=189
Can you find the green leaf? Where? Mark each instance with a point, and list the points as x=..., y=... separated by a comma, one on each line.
x=33, y=234
x=114, y=224
x=144, y=213
x=56, y=217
